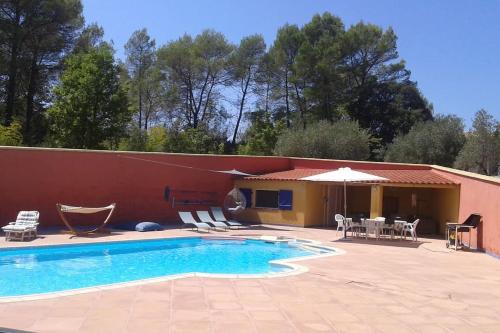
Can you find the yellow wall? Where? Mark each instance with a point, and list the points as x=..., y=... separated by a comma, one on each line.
x=307, y=207
x=315, y=205
x=446, y=206
x=358, y=200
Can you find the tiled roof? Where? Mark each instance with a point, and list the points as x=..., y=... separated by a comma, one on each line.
x=294, y=174
x=412, y=177
x=424, y=176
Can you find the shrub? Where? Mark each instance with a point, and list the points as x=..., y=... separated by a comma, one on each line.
x=343, y=139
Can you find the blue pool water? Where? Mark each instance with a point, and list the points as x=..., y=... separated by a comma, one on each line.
x=56, y=268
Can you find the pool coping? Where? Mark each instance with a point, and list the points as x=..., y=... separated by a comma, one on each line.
x=307, y=244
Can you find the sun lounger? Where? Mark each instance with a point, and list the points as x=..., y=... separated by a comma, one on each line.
x=206, y=218
x=219, y=216
x=25, y=225
x=188, y=219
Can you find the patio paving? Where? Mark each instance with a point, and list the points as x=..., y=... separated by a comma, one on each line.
x=377, y=286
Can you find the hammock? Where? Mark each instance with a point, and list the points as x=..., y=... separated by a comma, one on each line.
x=61, y=209
x=235, y=201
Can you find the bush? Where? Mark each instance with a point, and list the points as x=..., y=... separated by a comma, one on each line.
x=432, y=142
x=157, y=139
x=196, y=141
x=11, y=135
x=341, y=140
x=260, y=138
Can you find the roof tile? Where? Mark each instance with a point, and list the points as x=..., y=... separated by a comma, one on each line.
x=424, y=176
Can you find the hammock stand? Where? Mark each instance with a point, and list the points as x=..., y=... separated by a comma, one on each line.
x=61, y=209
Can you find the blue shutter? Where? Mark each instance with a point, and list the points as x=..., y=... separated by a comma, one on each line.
x=247, y=192
x=285, y=199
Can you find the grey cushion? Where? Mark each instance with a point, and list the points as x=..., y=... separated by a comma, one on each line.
x=148, y=226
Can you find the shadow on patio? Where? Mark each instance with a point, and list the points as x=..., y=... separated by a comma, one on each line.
x=383, y=242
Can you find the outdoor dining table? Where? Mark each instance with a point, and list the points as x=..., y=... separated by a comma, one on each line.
x=353, y=226
x=375, y=225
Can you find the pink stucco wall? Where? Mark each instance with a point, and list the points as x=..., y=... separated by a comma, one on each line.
x=483, y=197
x=37, y=179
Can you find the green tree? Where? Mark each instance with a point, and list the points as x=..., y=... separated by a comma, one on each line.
x=195, y=69
x=267, y=83
x=378, y=91
x=433, y=142
x=91, y=37
x=140, y=52
x=317, y=70
x=343, y=139
x=244, y=65
x=481, y=152
x=90, y=106
x=285, y=51
x=35, y=35
x=260, y=138
x=329, y=73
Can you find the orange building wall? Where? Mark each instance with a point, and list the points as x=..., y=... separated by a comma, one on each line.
x=484, y=198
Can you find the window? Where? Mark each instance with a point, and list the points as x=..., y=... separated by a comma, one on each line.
x=266, y=199
x=281, y=199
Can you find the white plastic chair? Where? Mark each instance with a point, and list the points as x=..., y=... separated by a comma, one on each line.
x=411, y=228
x=340, y=222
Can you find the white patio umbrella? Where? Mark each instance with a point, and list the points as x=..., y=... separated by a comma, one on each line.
x=234, y=172
x=344, y=175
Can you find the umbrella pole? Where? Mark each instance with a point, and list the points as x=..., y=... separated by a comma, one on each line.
x=345, y=210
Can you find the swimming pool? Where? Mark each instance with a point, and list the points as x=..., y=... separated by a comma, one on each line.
x=36, y=270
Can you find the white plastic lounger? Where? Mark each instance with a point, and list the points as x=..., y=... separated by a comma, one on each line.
x=219, y=216
x=25, y=225
x=206, y=218
x=188, y=219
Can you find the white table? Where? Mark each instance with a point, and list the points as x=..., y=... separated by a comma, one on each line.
x=374, y=224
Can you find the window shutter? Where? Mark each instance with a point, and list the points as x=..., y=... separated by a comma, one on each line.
x=285, y=199
x=247, y=192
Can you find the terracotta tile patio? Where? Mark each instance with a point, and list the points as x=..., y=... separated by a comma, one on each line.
x=377, y=286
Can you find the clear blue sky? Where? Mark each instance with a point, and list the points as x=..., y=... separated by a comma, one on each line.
x=451, y=47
